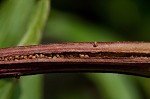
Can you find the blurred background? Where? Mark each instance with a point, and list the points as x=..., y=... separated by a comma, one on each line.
x=74, y=21
x=97, y=20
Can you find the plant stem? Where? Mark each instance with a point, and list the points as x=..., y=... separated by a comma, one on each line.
x=111, y=57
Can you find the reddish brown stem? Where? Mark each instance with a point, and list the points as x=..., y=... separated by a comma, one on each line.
x=112, y=57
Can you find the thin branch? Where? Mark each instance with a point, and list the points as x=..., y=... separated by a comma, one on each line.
x=111, y=57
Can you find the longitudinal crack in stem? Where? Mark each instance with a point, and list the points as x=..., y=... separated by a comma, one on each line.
x=74, y=55
x=113, y=57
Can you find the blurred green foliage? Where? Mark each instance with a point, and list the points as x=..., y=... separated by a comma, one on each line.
x=21, y=23
x=97, y=20
x=25, y=22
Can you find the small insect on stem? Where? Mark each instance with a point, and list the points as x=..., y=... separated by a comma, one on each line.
x=95, y=44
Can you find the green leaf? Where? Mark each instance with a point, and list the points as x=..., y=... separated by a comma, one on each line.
x=14, y=20
x=36, y=24
x=21, y=23
x=11, y=90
